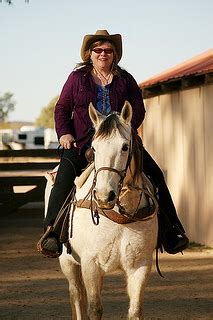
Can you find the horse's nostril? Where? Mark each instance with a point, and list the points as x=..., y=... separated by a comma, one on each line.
x=111, y=196
x=104, y=199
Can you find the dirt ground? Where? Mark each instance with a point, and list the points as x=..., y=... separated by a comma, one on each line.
x=33, y=287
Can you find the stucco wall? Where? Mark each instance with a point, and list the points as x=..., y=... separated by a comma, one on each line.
x=178, y=133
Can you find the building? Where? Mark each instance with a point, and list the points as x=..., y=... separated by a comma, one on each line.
x=178, y=133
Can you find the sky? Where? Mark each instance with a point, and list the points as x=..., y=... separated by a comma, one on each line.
x=40, y=41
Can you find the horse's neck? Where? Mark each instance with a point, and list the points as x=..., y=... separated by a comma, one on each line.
x=137, y=181
x=132, y=195
x=141, y=181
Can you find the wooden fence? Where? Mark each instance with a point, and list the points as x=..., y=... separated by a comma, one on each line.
x=25, y=169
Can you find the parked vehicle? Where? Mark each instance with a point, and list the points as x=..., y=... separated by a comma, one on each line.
x=28, y=137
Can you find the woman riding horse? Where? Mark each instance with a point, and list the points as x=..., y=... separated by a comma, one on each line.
x=116, y=191
x=99, y=79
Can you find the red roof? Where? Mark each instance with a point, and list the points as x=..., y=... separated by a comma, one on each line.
x=203, y=63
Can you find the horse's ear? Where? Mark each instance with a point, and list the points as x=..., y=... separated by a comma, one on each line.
x=95, y=116
x=126, y=112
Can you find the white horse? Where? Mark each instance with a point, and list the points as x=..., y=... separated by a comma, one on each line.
x=117, y=190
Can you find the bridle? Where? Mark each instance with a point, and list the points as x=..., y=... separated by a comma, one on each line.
x=120, y=173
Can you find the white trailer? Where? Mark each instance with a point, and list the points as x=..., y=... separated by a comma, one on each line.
x=25, y=138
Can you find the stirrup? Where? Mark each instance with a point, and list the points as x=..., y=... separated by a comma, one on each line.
x=44, y=251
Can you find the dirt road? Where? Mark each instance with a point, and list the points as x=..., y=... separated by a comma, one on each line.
x=33, y=287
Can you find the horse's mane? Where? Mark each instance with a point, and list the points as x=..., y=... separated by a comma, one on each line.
x=109, y=126
x=137, y=153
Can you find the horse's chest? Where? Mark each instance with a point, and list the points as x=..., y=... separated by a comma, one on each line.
x=124, y=250
x=109, y=257
x=110, y=245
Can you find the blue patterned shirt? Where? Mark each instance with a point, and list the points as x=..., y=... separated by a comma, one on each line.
x=103, y=102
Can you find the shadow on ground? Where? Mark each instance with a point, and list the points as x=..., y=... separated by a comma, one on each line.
x=33, y=287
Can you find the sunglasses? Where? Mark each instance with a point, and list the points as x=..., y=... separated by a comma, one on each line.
x=100, y=50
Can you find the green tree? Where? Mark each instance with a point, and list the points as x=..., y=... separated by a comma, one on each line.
x=10, y=2
x=6, y=106
x=46, y=117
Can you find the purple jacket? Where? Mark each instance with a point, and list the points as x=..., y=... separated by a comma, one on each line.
x=71, y=111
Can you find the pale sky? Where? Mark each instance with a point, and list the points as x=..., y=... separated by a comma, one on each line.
x=40, y=42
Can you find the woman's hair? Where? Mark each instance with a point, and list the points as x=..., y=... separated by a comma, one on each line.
x=88, y=62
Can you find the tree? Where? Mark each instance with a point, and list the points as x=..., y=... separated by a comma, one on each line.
x=11, y=2
x=6, y=105
x=46, y=117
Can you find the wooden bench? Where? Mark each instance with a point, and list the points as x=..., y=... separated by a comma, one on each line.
x=26, y=169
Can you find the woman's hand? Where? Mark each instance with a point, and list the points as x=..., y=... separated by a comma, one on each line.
x=66, y=141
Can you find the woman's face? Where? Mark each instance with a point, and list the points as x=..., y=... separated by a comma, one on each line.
x=102, y=59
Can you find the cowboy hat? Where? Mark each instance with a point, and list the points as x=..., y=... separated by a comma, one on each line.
x=102, y=35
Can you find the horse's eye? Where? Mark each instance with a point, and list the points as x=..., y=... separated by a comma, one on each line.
x=93, y=149
x=125, y=147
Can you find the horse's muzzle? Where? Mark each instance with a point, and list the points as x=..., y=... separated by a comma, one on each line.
x=105, y=201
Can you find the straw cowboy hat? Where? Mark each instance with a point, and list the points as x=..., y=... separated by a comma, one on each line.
x=102, y=35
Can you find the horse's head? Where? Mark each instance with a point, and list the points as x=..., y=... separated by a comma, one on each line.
x=111, y=145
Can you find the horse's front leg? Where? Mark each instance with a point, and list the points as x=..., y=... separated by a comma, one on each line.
x=93, y=280
x=77, y=290
x=136, y=282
